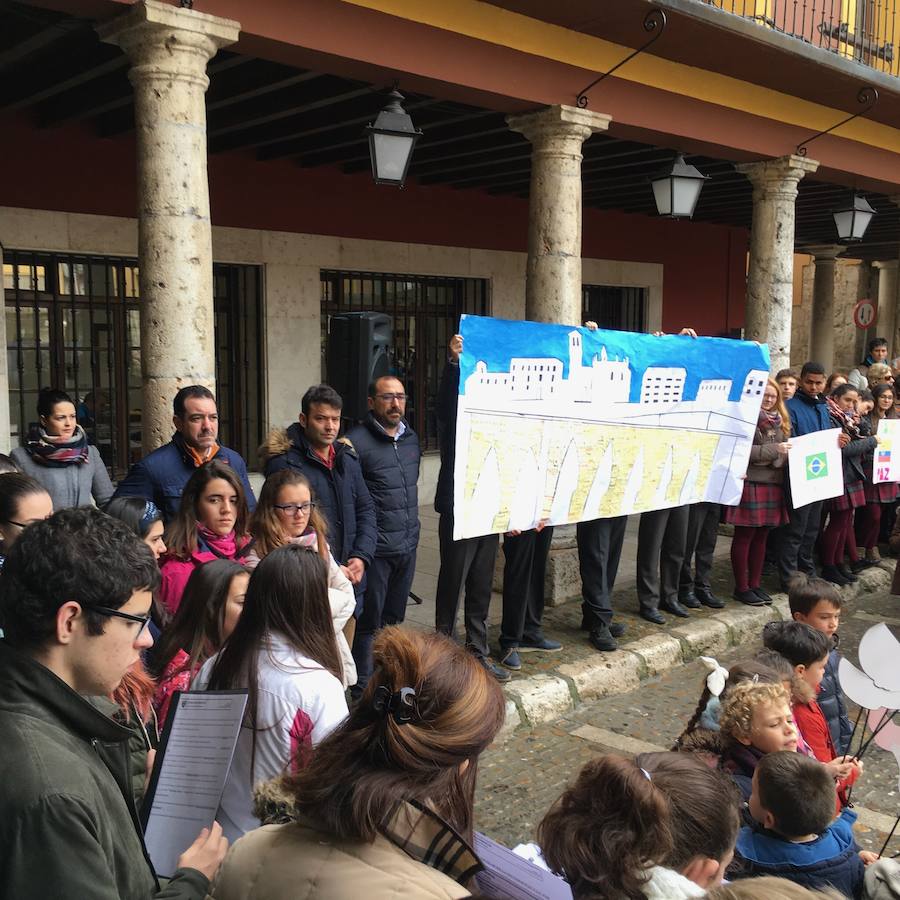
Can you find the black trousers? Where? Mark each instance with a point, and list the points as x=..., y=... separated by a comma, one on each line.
x=702, y=533
x=662, y=536
x=798, y=538
x=389, y=581
x=524, y=568
x=599, y=551
x=467, y=564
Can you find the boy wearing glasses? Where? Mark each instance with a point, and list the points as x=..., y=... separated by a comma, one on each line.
x=389, y=454
x=75, y=602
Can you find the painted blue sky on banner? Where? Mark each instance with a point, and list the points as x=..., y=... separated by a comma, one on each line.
x=496, y=341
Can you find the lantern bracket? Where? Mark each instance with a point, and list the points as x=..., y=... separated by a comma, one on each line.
x=655, y=24
x=867, y=98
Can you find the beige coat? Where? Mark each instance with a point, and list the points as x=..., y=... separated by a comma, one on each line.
x=297, y=862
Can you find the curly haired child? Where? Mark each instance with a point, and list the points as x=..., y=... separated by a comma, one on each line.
x=756, y=720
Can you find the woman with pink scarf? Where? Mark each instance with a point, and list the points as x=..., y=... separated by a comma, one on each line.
x=212, y=523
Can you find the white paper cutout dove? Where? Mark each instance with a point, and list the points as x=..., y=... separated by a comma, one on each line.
x=878, y=684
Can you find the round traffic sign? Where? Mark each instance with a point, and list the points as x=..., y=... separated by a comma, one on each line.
x=865, y=314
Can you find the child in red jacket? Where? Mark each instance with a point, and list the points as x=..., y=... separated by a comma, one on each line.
x=807, y=651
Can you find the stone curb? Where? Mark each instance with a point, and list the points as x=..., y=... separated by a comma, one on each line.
x=544, y=698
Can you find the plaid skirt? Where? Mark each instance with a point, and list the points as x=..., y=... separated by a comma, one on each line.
x=762, y=506
x=881, y=493
x=853, y=497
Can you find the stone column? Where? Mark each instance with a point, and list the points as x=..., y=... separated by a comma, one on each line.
x=169, y=48
x=4, y=372
x=553, y=274
x=821, y=336
x=770, y=281
x=886, y=324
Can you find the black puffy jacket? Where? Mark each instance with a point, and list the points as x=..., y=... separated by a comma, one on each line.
x=341, y=492
x=391, y=470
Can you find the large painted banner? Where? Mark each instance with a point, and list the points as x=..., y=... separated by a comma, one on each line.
x=563, y=424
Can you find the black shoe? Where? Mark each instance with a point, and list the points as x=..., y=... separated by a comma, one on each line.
x=509, y=657
x=601, y=639
x=749, y=598
x=675, y=608
x=652, y=615
x=845, y=571
x=861, y=565
x=493, y=669
x=689, y=600
x=708, y=598
x=762, y=595
x=527, y=645
x=831, y=573
x=616, y=629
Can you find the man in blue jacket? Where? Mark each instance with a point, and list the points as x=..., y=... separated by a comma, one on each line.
x=389, y=455
x=161, y=475
x=310, y=446
x=809, y=413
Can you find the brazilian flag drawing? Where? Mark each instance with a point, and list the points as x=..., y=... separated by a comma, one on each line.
x=816, y=466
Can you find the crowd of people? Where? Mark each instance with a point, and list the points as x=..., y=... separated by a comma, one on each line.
x=356, y=767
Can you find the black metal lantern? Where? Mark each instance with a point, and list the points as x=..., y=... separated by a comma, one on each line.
x=676, y=189
x=392, y=137
x=853, y=220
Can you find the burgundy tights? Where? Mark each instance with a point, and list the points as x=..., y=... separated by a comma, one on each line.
x=868, y=524
x=748, y=553
x=835, y=536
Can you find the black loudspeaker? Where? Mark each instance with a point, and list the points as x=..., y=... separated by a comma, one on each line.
x=358, y=353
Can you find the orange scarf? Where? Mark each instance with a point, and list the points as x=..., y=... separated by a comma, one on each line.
x=197, y=458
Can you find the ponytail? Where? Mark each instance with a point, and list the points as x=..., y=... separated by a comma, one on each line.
x=607, y=831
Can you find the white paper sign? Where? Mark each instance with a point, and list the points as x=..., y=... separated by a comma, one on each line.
x=510, y=877
x=886, y=463
x=190, y=771
x=815, y=467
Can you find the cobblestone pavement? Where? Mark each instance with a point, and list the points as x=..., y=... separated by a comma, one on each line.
x=519, y=780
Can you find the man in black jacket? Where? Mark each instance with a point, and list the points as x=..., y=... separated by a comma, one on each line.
x=389, y=455
x=470, y=562
x=75, y=605
x=310, y=446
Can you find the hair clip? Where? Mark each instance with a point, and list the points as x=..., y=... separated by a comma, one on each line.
x=151, y=513
x=400, y=704
x=646, y=774
x=715, y=681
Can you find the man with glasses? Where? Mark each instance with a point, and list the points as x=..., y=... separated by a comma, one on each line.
x=389, y=454
x=75, y=601
x=311, y=446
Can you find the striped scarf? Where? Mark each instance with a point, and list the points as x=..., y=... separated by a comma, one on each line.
x=51, y=450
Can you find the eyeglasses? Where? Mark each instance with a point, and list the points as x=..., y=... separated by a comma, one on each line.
x=25, y=524
x=106, y=611
x=292, y=509
x=389, y=398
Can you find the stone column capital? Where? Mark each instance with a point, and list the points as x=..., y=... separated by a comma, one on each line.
x=558, y=123
x=168, y=41
x=889, y=265
x=777, y=177
x=825, y=253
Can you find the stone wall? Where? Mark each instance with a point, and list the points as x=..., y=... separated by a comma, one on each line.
x=853, y=280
